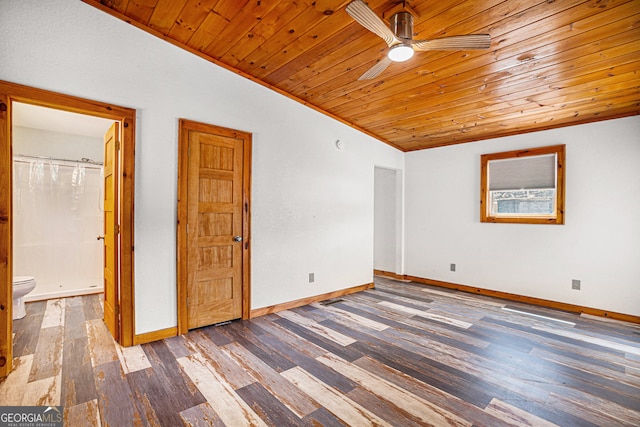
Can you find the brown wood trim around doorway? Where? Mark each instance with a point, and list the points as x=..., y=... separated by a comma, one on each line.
x=11, y=92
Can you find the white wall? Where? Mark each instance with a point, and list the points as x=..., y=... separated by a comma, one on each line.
x=312, y=204
x=39, y=142
x=599, y=243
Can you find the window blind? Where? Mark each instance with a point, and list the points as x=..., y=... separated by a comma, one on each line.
x=533, y=172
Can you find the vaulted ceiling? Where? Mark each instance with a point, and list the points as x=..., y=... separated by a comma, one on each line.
x=551, y=63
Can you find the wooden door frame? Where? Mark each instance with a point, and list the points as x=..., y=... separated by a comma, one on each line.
x=183, y=167
x=12, y=92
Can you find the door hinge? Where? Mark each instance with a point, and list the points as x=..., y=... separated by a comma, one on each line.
x=117, y=229
x=117, y=307
x=117, y=145
x=187, y=301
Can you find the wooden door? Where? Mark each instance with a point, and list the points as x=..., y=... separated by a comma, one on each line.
x=214, y=226
x=111, y=230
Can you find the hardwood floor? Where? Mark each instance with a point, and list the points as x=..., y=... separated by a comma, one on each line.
x=401, y=355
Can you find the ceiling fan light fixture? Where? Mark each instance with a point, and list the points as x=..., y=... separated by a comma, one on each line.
x=400, y=53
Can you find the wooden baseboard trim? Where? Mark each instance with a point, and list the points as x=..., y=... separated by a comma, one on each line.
x=305, y=301
x=389, y=274
x=155, y=335
x=528, y=300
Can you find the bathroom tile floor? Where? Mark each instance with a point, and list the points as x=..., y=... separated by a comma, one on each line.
x=400, y=354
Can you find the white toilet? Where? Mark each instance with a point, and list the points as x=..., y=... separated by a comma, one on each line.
x=22, y=285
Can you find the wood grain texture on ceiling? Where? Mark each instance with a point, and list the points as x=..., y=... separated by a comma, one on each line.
x=550, y=64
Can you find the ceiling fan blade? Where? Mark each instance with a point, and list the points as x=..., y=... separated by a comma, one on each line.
x=376, y=70
x=364, y=16
x=468, y=42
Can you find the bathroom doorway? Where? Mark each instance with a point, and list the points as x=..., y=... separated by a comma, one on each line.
x=388, y=222
x=58, y=205
x=12, y=95
x=58, y=200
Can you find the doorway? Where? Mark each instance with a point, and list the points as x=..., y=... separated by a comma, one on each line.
x=214, y=176
x=58, y=200
x=11, y=93
x=388, y=222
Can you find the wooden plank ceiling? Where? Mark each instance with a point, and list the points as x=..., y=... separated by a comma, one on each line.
x=551, y=63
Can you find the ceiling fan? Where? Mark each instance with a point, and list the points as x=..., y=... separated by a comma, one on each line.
x=399, y=36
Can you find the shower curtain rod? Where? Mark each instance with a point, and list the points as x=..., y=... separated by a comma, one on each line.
x=84, y=160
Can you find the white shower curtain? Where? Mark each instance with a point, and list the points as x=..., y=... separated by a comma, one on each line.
x=57, y=207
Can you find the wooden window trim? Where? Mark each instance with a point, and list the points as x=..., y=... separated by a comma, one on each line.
x=557, y=218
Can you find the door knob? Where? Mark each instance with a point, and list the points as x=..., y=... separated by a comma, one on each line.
x=100, y=238
x=237, y=238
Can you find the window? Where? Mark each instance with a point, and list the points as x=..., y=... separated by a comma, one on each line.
x=523, y=186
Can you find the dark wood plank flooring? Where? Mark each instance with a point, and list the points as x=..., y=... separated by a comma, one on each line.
x=401, y=354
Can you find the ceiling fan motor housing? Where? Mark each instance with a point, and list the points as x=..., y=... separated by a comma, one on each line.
x=401, y=24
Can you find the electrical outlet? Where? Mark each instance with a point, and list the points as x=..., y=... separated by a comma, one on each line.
x=312, y=277
x=575, y=284
x=452, y=267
